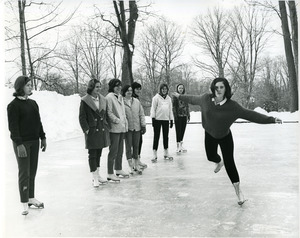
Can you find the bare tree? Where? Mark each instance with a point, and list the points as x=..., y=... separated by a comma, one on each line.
x=213, y=34
x=249, y=27
x=289, y=57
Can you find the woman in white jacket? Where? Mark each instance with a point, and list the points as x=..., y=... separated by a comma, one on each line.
x=136, y=125
x=162, y=115
x=118, y=127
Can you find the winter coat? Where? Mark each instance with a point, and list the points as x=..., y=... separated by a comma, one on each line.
x=161, y=108
x=134, y=114
x=94, y=120
x=116, y=113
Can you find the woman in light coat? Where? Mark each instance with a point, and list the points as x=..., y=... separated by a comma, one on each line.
x=118, y=128
x=136, y=126
x=92, y=118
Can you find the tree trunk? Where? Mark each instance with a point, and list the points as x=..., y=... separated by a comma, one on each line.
x=289, y=57
x=22, y=38
x=294, y=26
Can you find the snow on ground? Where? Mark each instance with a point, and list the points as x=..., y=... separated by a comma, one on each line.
x=60, y=114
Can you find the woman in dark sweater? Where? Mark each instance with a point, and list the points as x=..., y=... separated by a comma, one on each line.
x=218, y=114
x=25, y=131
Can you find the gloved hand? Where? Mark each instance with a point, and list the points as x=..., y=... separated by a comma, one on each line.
x=43, y=145
x=171, y=123
x=143, y=130
x=153, y=121
x=21, y=151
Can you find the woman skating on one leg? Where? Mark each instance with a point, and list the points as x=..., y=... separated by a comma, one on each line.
x=26, y=129
x=136, y=123
x=181, y=116
x=218, y=114
x=92, y=118
x=162, y=116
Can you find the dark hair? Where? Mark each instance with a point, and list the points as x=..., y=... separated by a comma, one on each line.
x=91, y=85
x=134, y=86
x=162, y=86
x=183, y=92
x=228, y=93
x=113, y=83
x=125, y=89
x=20, y=82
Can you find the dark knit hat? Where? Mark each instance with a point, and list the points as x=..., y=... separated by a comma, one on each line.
x=113, y=83
x=20, y=82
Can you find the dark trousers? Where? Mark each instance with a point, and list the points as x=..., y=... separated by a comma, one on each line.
x=94, y=159
x=165, y=128
x=132, y=140
x=226, y=144
x=180, y=125
x=140, y=144
x=114, y=158
x=27, y=169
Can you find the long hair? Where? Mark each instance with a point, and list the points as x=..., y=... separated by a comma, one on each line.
x=228, y=93
x=91, y=85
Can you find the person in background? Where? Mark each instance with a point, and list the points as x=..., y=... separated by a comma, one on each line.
x=219, y=112
x=136, y=91
x=162, y=116
x=181, y=116
x=92, y=119
x=118, y=128
x=26, y=129
x=136, y=126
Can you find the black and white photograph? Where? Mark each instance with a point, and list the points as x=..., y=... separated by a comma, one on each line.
x=149, y=118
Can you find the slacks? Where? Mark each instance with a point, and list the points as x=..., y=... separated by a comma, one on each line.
x=27, y=169
x=180, y=126
x=226, y=144
x=132, y=140
x=114, y=158
x=165, y=129
x=94, y=159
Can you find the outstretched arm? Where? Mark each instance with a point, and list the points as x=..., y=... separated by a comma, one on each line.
x=191, y=99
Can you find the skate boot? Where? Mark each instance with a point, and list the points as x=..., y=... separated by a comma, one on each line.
x=130, y=164
x=154, y=160
x=137, y=167
x=95, y=179
x=122, y=174
x=166, y=155
x=36, y=203
x=25, y=208
x=100, y=179
x=219, y=166
x=142, y=165
x=178, y=150
x=239, y=193
x=182, y=148
x=112, y=177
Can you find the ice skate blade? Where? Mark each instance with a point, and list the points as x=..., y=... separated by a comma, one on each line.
x=168, y=158
x=25, y=213
x=242, y=202
x=154, y=160
x=36, y=205
x=113, y=180
x=122, y=176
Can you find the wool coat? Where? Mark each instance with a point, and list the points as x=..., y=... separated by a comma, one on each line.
x=94, y=120
x=134, y=114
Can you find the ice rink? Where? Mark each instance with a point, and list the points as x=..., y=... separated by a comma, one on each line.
x=179, y=198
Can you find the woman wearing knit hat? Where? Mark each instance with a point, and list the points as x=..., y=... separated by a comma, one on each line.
x=25, y=131
x=218, y=114
x=92, y=118
x=118, y=128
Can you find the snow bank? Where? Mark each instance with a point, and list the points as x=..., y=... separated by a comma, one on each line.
x=60, y=114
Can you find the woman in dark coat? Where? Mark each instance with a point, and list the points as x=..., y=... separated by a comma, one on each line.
x=92, y=118
x=26, y=129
